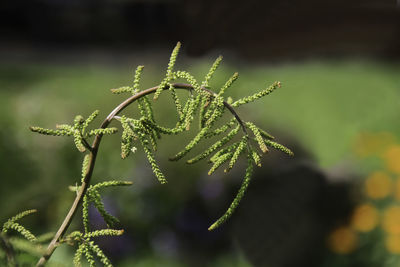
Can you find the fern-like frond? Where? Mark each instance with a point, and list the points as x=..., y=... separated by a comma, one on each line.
x=85, y=212
x=228, y=83
x=170, y=74
x=136, y=81
x=20, y=229
x=165, y=130
x=240, y=148
x=256, y=157
x=176, y=100
x=205, y=101
x=123, y=89
x=211, y=71
x=20, y=216
x=237, y=199
x=189, y=114
x=191, y=145
x=215, y=146
x=279, y=147
x=78, y=141
x=172, y=59
x=93, y=196
x=99, y=253
x=101, y=131
x=77, y=130
x=256, y=96
x=85, y=166
x=112, y=183
x=265, y=134
x=127, y=138
x=89, y=257
x=90, y=119
x=257, y=134
x=224, y=150
x=78, y=255
x=104, y=232
x=190, y=79
x=44, y=131
x=221, y=129
x=98, y=203
x=218, y=161
x=150, y=157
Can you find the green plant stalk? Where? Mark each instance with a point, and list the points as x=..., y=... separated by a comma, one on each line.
x=92, y=159
x=9, y=250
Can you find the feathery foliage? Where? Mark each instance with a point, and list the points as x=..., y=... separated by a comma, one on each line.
x=12, y=224
x=210, y=107
x=15, y=247
x=233, y=138
x=77, y=130
x=86, y=246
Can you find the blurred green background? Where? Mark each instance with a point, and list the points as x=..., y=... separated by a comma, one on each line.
x=336, y=203
x=322, y=105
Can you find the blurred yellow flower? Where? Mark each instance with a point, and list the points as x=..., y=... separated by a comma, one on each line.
x=343, y=240
x=397, y=189
x=368, y=144
x=378, y=185
x=392, y=158
x=391, y=220
x=365, y=218
x=392, y=244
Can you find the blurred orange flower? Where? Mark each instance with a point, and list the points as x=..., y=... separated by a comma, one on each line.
x=365, y=218
x=368, y=144
x=378, y=185
x=391, y=220
x=343, y=240
x=392, y=158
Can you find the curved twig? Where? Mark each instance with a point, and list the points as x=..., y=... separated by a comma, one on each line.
x=92, y=159
x=9, y=250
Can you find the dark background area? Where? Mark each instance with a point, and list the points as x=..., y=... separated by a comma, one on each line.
x=257, y=30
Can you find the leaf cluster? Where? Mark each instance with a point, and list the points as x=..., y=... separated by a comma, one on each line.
x=233, y=138
x=85, y=244
x=26, y=242
x=78, y=130
x=209, y=106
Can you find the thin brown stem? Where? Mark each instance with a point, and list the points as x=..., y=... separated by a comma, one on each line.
x=92, y=159
x=86, y=144
x=9, y=250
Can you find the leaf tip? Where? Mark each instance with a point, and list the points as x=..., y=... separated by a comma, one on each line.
x=213, y=227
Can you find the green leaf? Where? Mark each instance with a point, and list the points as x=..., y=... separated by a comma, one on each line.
x=169, y=75
x=218, y=161
x=78, y=254
x=279, y=147
x=191, y=144
x=237, y=199
x=228, y=83
x=256, y=96
x=242, y=145
x=20, y=216
x=215, y=146
x=104, y=232
x=257, y=134
x=96, y=250
x=20, y=229
x=124, y=89
x=211, y=71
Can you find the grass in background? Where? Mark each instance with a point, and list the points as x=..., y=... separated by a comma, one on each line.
x=322, y=105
